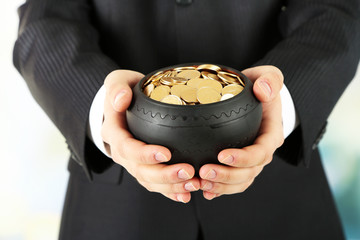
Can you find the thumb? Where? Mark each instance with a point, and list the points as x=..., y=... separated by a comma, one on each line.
x=118, y=86
x=268, y=81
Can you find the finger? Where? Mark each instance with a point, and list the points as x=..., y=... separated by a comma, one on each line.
x=210, y=196
x=179, y=197
x=118, y=86
x=228, y=175
x=184, y=187
x=224, y=189
x=126, y=148
x=161, y=173
x=268, y=81
x=246, y=157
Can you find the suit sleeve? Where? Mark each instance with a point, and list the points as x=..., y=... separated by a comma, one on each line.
x=318, y=56
x=58, y=55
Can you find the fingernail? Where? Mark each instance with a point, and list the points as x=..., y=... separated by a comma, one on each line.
x=265, y=87
x=208, y=186
x=160, y=157
x=183, y=174
x=117, y=101
x=180, y=199
x=211, y=174
x=211, y=197
x=228, y=160
x=190, y=187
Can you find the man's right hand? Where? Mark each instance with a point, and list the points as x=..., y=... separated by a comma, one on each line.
x=142, y=161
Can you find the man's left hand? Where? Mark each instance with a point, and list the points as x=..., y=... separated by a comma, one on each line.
x=243, y=165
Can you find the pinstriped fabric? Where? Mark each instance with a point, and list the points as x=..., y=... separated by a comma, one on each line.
x=318, y=57
x=63, y=67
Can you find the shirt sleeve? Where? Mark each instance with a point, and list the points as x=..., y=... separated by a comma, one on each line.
x=96, y=118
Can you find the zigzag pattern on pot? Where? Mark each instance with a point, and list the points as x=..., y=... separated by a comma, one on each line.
x=174, y=117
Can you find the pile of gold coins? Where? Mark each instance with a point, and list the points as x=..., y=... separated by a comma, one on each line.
x=192, y=85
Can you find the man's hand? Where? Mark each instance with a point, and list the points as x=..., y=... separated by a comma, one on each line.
x=141, y=160
x=243, y=165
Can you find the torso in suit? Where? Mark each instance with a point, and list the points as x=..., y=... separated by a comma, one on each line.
x=66, y=48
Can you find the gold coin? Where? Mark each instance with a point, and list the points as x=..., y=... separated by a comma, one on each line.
x=174, y=73
x=179, y=80
x=234, y=75
x=184, y=84
x=208, y=67
x=208, y=95
x=189, y=95
x=194, y=83
x=226, y=96
x=157, y=83
x=228, y=78
x=160, y=92
x=156, y=79
x=189, y=74
x=172, y=99
x=211, y=83
x=155, y=75
x=178, y=89
x=148, y=89
x=170, y=81
x=233, y=89
x=151, y=79
x=208, y=75
x=166, y=81
x=240, y=81
x=168, y=73
x=178, y=69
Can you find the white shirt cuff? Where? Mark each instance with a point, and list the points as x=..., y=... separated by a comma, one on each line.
x=96, y=118
x=289, y=116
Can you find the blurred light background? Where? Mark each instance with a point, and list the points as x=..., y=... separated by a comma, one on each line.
x=34, y=155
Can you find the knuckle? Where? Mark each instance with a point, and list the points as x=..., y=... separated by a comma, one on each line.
x=262, y=155
x=253, y=172
x=217, y=188
x=175, y=188
x=267, y=159
x=226, y=176
x=165, y=178
x=110, y=77
x=278, y=73
x=248, y=184
x=147, y=186
x=107, y=81
x=244, y=162
x=242, y=189
x=245, y=186
x=258, y=170
x=281, y=141
x=143, y=158
x=136, y=173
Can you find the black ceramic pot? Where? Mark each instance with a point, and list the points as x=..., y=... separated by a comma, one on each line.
x=196, y=134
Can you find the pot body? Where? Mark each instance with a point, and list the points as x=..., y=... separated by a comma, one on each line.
x=196, y=134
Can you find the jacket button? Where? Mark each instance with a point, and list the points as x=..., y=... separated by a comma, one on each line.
x=184, y=2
